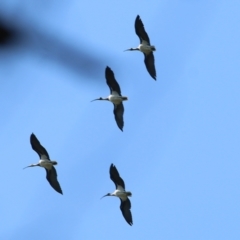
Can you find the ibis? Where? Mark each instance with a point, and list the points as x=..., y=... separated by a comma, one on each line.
x=115, y=97
x=120, y=192
x=46, y=163
x=145, y=47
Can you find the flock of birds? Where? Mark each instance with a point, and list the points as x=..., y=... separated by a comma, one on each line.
x=116, y=98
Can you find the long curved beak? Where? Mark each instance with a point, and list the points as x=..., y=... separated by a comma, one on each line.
x=31, y=166
x=27, y=167
x=104, y=196
x=95, y=99
x=127, y=50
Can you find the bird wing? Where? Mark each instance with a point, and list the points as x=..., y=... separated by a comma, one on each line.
x=125, y=208
x=38, y=148
x=111, y=81
x=52, y=179
x=118, y=113
x=115, y=177
x=140, y=31
x=149, y=62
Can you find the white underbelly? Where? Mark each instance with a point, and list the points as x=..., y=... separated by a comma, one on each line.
x=45, y=163
x=115, y=99
x=145, y=48
x=121, y=194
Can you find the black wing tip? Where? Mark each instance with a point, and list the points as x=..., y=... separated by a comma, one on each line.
x=112, y=166
x=58, y=190
x=138, y=19
x=108, y=72
x=32, y=135
x=130, y=223
x=152, y=75
x=33, y=138
x=108, y=68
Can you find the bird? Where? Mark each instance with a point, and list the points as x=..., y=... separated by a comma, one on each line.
x=120, y=192
x=115, y=97
x=145, y=47
x=46, y=163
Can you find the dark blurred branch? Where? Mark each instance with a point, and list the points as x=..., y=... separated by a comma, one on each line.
x=7, y=35
x=27, y=38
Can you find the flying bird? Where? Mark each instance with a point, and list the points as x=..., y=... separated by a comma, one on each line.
x=145, y=47
x=46, y=163
x=115, y=97
x=120, y=192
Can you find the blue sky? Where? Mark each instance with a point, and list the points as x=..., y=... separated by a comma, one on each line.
x=179, y=152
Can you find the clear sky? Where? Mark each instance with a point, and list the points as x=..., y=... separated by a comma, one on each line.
x=179, y=153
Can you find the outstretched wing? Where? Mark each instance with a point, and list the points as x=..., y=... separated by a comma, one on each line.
x=115, y=177
x=118, y=113
x=149, y=63
x=52, y=179
x=140, y=30
x=125, y=208
x=38, y=148
x=111, y=81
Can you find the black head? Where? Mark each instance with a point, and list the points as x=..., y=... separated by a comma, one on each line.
x=100, y=99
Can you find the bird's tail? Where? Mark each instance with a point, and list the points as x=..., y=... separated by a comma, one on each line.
x=129, y=194
x=153, y=48
x=54, y=162
x=124, y=98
